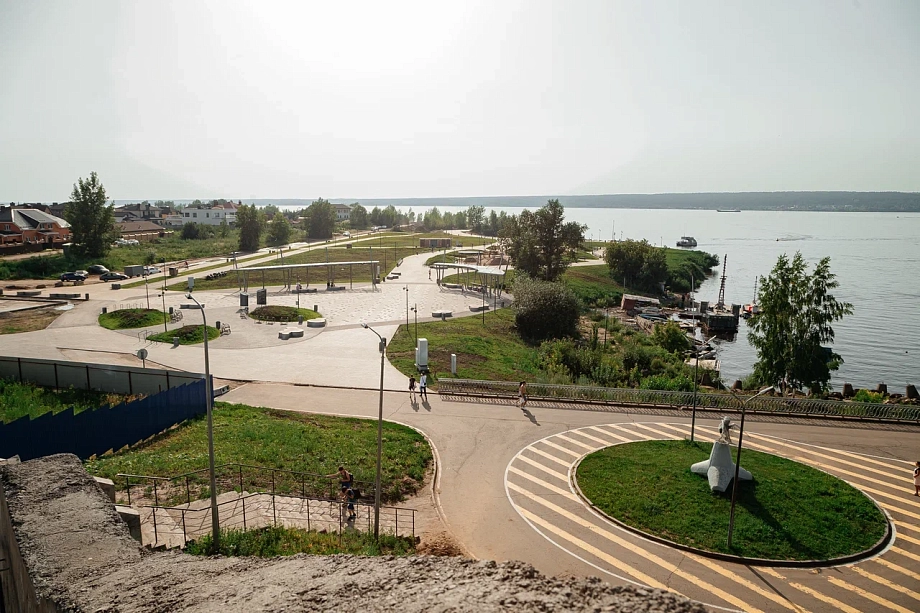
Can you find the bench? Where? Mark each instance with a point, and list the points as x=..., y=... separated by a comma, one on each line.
x=64, y=296
x=335, y=288
x=304, y=290
x=452, y=285
x=442, y=313
x=479, y=307
x=32, y=293
x=318, y=322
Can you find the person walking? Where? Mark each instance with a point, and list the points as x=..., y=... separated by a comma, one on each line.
x=350, y=504
x=346, y=479
x=522, y=395
x=917, y=479
x=412, y=387
x=423, y=386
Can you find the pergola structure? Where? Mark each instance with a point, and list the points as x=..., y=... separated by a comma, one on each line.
x=288, y=270
x=491, y=279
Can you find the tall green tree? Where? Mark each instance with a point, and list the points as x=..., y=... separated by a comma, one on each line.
x=279, y=230
x=793, y=329
x=537, y=241
x=322, y=219
x=637, y=264
x=92, y=222
x=358, y=217
x=475, y=217
x=251, y=222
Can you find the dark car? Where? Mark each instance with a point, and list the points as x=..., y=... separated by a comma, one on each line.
x=73, y=276
x=97, y=269
x=112, y=276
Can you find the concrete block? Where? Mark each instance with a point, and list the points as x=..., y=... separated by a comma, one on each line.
x=132, y=517
x=319, y=322
x=107, y=486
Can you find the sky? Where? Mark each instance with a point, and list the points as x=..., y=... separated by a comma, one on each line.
x=190, y=99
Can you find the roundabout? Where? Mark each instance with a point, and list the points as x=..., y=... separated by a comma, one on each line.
x=540, y=485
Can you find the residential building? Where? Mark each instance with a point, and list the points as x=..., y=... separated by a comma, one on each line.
x=210, y=215
x=143, y=211
x=140, y=230
x=31, y=226
x=342, y=211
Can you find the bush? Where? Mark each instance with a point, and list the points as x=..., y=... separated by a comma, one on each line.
x=670, y=337
x=680, y=383
x=545, y=310
x=867, y=396
x=282, y=313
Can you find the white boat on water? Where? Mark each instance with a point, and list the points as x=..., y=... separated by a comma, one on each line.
x=686, y=241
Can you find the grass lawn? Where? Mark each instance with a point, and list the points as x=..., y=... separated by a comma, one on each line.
x=188, y=335
x=788, y=512
x=14, y=322
x=593, y=283
x=279, y=541
x=283, y=440
x=282, y=313
x=493, y=351
x=132, y=318
x=24, y=399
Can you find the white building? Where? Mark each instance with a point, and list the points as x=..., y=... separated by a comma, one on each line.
x=342, y=211
x=210, y=216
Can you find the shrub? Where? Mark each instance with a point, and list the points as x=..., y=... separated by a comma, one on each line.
x=867, y=396
x=680, y=383
x=545, y=310
x=282, y=313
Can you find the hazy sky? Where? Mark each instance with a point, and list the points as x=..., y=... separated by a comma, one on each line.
x=391, y=99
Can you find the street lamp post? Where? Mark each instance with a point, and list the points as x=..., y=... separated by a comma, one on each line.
x=163, y=294
x=606, y=321
x=415, y=311
x=696, y=370
x=383, y=349
x=209, y=401
x=406, y=288
x=731, y=515
x=146, y=288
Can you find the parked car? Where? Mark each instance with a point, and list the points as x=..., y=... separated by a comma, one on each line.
x=97, y=269
x=82, y=272
x=127, y=241
x=73, y=276
x=113, y=276
x=151, y=270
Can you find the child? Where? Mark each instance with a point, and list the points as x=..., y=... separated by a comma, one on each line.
x=350, y=504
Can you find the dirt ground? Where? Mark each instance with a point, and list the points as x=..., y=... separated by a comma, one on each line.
x=13, y=322
x=81, y=557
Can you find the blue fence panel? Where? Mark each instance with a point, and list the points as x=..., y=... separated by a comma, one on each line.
x=95, y=432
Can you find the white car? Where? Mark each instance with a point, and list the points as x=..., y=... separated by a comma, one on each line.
x=151, y=270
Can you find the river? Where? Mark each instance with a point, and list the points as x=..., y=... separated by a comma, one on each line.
x=876, y=257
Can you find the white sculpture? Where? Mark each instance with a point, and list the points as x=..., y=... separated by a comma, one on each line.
x=720, y=468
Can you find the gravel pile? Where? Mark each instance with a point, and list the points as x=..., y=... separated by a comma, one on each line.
x=82, y=558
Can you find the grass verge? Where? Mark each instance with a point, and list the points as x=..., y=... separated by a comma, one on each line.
x=282, y=313
x=131, y=318
x=24, y=399
x=282, y=440
x=188, y=335
x=279, y=541
x=790, y=511
x=14, y=322
x=493, y=351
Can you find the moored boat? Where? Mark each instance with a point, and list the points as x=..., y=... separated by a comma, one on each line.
x=686, y=241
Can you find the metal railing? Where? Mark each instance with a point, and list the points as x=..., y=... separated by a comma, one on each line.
x=177, y=525
x=682, y=400
x=240, y=478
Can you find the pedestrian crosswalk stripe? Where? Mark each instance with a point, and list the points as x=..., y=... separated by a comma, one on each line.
x=557, y=490
x=568, y=439
x=582, y=432
x=896, y=568
x=901, y=527
x=638, y=550
x=549, y=471
x=874, y=598
x=892, y=464
x=882, y=581
x=602, y=555
x=560, y=447
x=622, y=439
x=661, y=434
x=549, y=456
x=905, y=553
x=623, y=428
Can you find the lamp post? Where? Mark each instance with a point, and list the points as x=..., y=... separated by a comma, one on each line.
x=606, y=321
x=209, y=400
x=146, y=288
x=163, y=294
x=415, y=310
x=406, y=288
x=696, y=370
x=383, y=349
x=731, y=515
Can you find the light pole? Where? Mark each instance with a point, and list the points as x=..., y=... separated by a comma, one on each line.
x=209, y=400
x=406, y=288
x=415, y=310
x=383, y=350
x=163, y=294
x=731, y=515
x=696, y=370
x=606, y=321
x=146, y=288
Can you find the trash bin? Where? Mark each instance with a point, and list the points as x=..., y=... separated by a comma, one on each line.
x=105, y=310
x=244, y=299
x=173, y=271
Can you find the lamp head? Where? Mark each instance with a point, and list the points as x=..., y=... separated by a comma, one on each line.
x=188, y=295
x=363, y=325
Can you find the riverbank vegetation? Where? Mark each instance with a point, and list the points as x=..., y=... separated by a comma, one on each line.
x=275, y=541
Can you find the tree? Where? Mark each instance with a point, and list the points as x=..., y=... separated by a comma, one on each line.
x=637, y=264
x=190, y=231
x=537, y=242
x=670, y=337
x=545, y=310
x=223, y=230
x=322, y=219
x=250, y=221
x=475, y=216
x=92, y=222
x=358, y=217
x=279, y=231
x=794, y=325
